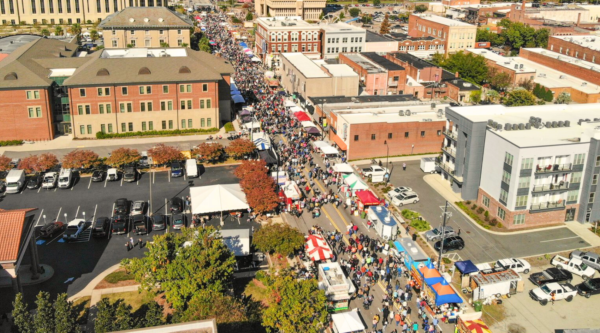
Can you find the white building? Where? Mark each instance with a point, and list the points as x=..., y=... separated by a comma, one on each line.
x=341, y=37
x=528, y=166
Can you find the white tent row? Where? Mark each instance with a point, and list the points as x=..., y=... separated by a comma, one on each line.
x=289, y=104
x=347, y=322
x=320, y=144
x=296, y=109
x=251, y=125
x=217, y=198
x=329, y=150
x=255, y=59
x=343, y=168
x=306, y=124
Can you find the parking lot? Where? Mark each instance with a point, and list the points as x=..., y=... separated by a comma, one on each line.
x=480, y=245
x=86, y=257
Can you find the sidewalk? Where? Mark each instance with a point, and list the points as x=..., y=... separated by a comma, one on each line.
x=394, y=159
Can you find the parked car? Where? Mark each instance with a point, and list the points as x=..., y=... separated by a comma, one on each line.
x=179, y=221
x=551, y=275
x=101, y=227
x=50, y=180
x=176, y=169
x=51, y=229
x=374, y=170
x=122, y=206
x=176, y=205
x=139, y=207
x=589, y=288
x=575, y=266
x=589, y=258
x=518, y=265
x=112, y=174
x=119, y=225
x=74, y=229
x=544, y=293
x=2, y=186
x=98, y=175
x=140, y=224
x=35, y=181
x=405, y=199
x=398, y=190
x=130, y=174
x=436, y=234
x=450, y=244
x=159, y=222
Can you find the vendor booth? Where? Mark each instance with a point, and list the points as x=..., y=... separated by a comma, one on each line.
x=269, y=156
x=347, y=322
x=227, y=198
x=328, y=150
x=291, y=194
x=466, y=269
x=337, y=286
x=289, y=104
x=302, y=116
x=353, y=183
x=383, y=222
x=441, y=296
x=414, y=258
x=495, y=282
x=313, y=131
x=318, y=251
x=344, y=168
x=366, y=198
x=253, y=126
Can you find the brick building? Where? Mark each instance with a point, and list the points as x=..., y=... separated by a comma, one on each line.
x=276, y=35
x=426, y=46
x=380, y=43
x=449, y=3
x=341, y=38
x=586, y=48
x=378, y=75
x=146, y=27
x=456, y=35
x=584, y=70
x=528, y=166
x=306, y=9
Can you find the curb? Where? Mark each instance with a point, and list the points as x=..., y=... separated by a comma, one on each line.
x=89, y=289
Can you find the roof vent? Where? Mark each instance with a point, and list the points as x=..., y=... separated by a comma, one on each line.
x=184, y=70
x=144, y=71
x=490, y=122
x=521, y=126
x=146, y=19
x=11, y=76
x=584, y=84
x=401, y=113
x=554, y=124
x=467, y=84
x=507, y=127
x=528, y=126
x=567, y=123
x=102, y=72
x=161, y=19
x=548, y=124
x=561, y=124
x=132, y=20
x=515, y=127
x=407, y=113
x=499, y=127
x=561, y=77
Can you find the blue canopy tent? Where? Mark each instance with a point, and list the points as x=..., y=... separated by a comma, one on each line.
x=244, y=45
x=235, y=92
x=444, y=294
x=233, y=86
x=434, y=280
x=238, y=99
x=466, y=267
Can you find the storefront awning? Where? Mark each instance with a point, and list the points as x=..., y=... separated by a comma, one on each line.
x=238, y=99
x=343, y=168
x=302, y=116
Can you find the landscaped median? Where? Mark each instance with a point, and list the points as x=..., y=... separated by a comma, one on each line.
x=480, y=215
x=102, y=135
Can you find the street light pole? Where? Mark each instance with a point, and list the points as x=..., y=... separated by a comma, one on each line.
x=387, y=159
x=445, y=215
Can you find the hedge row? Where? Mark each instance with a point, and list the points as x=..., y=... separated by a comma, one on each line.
x=102, y=135
x=11, y=143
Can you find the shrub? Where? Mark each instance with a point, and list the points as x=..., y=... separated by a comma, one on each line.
x=500, y=225
x=11, y=143
x=420, y=225
x=487, y=215
x=474, y=207
x=493, y=222
x=446, y=261
x=229, y=127
x=102, y=135
x=468, y=202
x=480, y=210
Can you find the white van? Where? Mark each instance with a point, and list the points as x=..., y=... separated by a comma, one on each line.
x=112, y=174
x=15, y=180
x=64, y=178
x=50, y=180
x=191, y=168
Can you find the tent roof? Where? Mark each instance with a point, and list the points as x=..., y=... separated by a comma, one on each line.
x=445, y=293
x=355, y=182
x=329, y=150
x=289, y=103
x=367, y=197
x=343, y=168
x=253, y=124
x=348, y=321
x=233, y=240
x=466, y=267
x=217, y=198
x=429, y=272
x=238, y=99
x=307, y=123
x=313, y=130
x=302, y=116
x=320, y=144
x=268, y=155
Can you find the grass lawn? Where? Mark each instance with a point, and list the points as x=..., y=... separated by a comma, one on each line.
x=118, y=276
x=493, y=314
x=133, y=298
x=82, y=305
x=258, y=292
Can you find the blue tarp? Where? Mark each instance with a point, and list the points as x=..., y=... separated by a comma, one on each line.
x=466, y=267
x=238, y=99
x=242, y=44
x=434, y=280
x=447, y=294
x=235, y=92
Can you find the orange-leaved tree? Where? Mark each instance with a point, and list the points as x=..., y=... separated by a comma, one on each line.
x=208, y=151
x=248, y=167
x=122, y=156
x=239, y=148
x=163, y=154
x=80, y=159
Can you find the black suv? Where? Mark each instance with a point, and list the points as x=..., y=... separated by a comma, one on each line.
x=176, y=205
x=101, y=227
x=52, y=229
x=122, y=207
x=35, y=182
x=119, y=225
x=450, y=244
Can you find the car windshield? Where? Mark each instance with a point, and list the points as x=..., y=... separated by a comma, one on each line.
x=590, y=285
x=176, y=166
x=546, y=290
x=119, y=223
x=49, y=179
x=435, y=231
x=64, y=179
x=178, y=221
x=12, y=185
x=137, y=205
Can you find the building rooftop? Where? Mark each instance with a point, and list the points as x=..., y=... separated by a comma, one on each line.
x=545, y=76
x=564, y=58
x=368, y=65
x=305, y=65
x=399, y=36
x=199, y=326
x=559, y=123
x=143, y=53
x=340, y=27
x=358, y=100
x=290, y=22
x=10, y=43
x=383, y=62
x=590, y=41
x=146, y=18
x=462, y=84
x=374, y=37
x=339, y=70
x=418, y=113
x=14, y=229
x=413, y=60
x=443, y=20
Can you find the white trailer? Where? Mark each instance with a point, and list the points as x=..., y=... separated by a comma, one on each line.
x=191, y=168
x=428, y=164
x=495, y=282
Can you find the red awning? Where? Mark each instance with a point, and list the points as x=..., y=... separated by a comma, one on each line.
x=302, y=116
x=367, y=197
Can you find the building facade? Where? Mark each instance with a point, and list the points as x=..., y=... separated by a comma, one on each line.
x=276, y=35
x=378, y=75
x=341, y=38
x=528, y=166
x=146, y=27
x=449, y=3
x=457, y=35
x=306, y=9
x=586, y=48
x=66, y=11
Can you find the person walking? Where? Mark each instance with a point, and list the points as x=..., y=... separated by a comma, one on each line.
x=131, y=241
x=397, y=317
x=404, y=166
x=458, y=232
x=415, y=327
x=375, y=321
x=553, y=295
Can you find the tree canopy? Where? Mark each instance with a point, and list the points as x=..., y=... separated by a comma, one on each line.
x=421, y=8
x=38, y=163
x=49, y=317
x=5, y=162
x=278, y=238
x=498, y=80
x=385, y=25
x=239, y=148
x=563, y=98
x=208, y=151
x=80, y=159
x=515, y=35
x=122, y=156
x=354, y=12
x=471, y=67
x=163, y=154
x=519, y=97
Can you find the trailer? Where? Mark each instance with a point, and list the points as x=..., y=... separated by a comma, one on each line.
x=495, y=283
x=384, y=223
x=428, y=165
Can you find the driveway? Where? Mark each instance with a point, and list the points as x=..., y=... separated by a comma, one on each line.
x=481, y=246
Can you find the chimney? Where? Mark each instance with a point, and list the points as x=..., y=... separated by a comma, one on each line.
x=578, y=19
x=456, y=75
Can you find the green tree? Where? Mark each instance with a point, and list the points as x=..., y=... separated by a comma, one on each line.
x=492, y=95
x=21, y=316
x=65, y=316
x=322, y=15
x=297, y=306
x=204, y=45
x=342, y=16
x=279, y=238
x=249, y=16
x=122, y=319
x=105, y=314
x=517, y=35
x=421, y=8
x=354, y=12
x=154, y=315
x=541, y=38
x=563, y=98
x=94, y=35
x=471, y=67
x=58, y=30
x=519, y=97
x=498, y=80
x=475, y=96
x=181, y=271
x=45, y=32
x=43, y=320
x=385, y=26
x=75, y=30
x=376, y=2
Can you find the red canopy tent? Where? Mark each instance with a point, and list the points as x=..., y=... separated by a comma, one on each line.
x=367, y=198
x=320, y=253
x=302, y=116
x=315, y=241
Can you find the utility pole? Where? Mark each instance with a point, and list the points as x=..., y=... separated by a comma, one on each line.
x=445, y=215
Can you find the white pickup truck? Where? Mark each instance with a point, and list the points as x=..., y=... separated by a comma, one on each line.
x=575, y=266
x=543, y=294
x=374, y=171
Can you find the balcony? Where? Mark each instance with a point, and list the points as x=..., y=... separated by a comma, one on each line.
x=547, y=207
x=451, y=135
x=392, y=83
x=450, y=151
x=449, y=169
x=554, y=168
x=562, y=186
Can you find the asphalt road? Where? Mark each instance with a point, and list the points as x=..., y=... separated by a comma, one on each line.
x=85, y=258
x=481, y=246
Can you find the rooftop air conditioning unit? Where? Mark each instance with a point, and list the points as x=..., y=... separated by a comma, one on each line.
x=548, y=124
x=554, y=124
x=507, y=127
x=584, y=84
x=401, y=113
x=561, y=77
x=516, y=66
x=528, y=126
x=490, y=122
x=407, y=113
x=515, y=127
x=567, y=123
x=521, y=66
x=498, y=127
x=521, y=126
x=580, y=121
x=561, y=123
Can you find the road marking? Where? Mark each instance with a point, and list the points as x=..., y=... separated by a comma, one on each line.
x=39, y=189
x=90, y=183
x=153, y=176
x=40, y=216
x=106, y=180
x=59, y=236
x=552, y=240
x=169, y=175
x=138, y=181
x=122, y=181
x=112, y=214
x=56, y=188
x=76, y=213
x=58, y=215
x=94, y=216
x=168, y=224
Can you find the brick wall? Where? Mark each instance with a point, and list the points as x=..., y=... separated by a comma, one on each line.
x=531, y=220
x=405, y=45
x=16, y=124
x=565, y=67
x=461, y=2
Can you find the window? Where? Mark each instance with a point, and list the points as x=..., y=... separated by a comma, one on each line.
x=526, y=163
x=576, y=177
x=179, y=31
x=182, y=123
x=123, y=127
x=390, y=135
x=204, y=87
x=572, y=196
x=579, y=159
x=486, y=201
x=33, y=94
x=114, y=43
x=82, y=92
x=130, y=127
x=166, y=105
x=102, y=128
x=202, y=104
x=186, y=104
x=519, y=219
x=80, y=109
x=151, y=125
x=208, y=106
x=145, y=90
x=521, y=201
x=103, y=91
x=164, y=124
x=524, y=182
x=439, y=132
x=82, y=129
x=506, y=177
x=143, y=125
x=89, y=129
x=503, y=195
x=190, y=123
x=508, y=158
x=202, y=123
x=356, y=138
x=591, y=199
x=170, y=124
x=124, y=91
x=422, y=134
x=595, y=179
x=406, y=134
x=35, y=112
x=165, y=89
x=110, y=129
x=597, y=160
x=373, y=136
x=208, y=122
x=501, y=213
x=101, y=109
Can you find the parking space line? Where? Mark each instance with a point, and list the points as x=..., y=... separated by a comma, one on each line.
x=105, y=180
x=153, y=177
x=39, y=189
x=90, y=183
x=112, y=212
x=76, y=213
x=58, y=215
x=552, y=240
x=56, y=188
x=39, y=218
x=122, y=181
x=169, y=175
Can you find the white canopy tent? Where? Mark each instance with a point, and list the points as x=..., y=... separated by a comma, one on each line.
x=255, y=59
x=306, y=124
x=296, y=109
x=343, y=168
x=251, y=125
x=329, y=150
x=347, y=322
x=320, y=144
x=218, y=198
x=355, y=183
x=289, y=103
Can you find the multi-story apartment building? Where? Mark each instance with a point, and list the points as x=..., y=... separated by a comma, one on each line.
x=307, y=9
x=276, y=35
x=66, y=11
x=456, y=35
x=528, y=166
x=46, y=89
x=341, y=38
x=146, y=27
